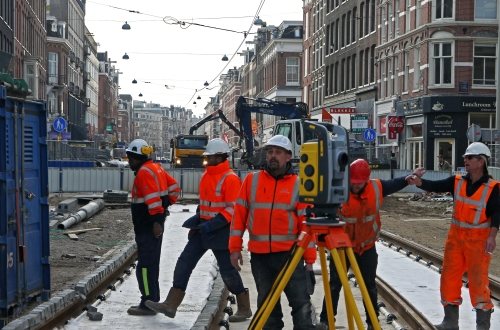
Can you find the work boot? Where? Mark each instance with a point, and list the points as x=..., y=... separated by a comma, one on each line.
x=244, y=311
x=450, y=321
x=140, y=311
x=483, y=319
x=169, y=306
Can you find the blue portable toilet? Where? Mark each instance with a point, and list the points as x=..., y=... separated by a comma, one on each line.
x=24, y=211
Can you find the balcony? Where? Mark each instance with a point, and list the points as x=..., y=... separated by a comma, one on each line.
x=56, y=80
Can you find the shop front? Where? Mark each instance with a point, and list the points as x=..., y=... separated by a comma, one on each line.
x=435, y=130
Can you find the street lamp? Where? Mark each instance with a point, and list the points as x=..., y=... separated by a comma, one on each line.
x=259, y=22
x=224, y=58
x=126, y=26
x=134, y=81
x=198, y=98
x=206, y=84
x=125, y=56
x=140, y=94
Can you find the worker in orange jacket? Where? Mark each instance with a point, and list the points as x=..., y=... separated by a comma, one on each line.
x=268, y=207
x=153, y=191
x=209, y=229
x=471, y=237
x=361, y=214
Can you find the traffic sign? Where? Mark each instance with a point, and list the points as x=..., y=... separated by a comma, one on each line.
x=59, y=124
x=474, y=133
x=369, y=135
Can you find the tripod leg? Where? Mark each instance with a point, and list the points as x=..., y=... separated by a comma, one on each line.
x=364, y=290
x=349, y=312
x=347, y=289
x=263, y=312
x=326, y=287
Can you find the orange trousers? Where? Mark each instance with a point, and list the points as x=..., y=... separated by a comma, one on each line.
x=465, y=252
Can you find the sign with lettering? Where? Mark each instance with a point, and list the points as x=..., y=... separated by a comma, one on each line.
x=359, y=123
x=442, y=125
x=395, y=125
x=342, y=110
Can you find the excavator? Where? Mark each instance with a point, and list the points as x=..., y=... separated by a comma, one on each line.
x=186, y=150
x=291, y=124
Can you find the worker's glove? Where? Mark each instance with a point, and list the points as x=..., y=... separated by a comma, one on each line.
x=192, y=222
x=157, y=229
x=310, y=279
x=217, y=222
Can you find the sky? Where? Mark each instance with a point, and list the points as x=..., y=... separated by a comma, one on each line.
x=165, y=48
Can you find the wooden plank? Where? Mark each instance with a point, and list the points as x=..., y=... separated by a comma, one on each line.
x=73, y=237
x=79, y=231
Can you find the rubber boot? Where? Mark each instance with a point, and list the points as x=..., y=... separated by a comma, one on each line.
x=244, y=312
x=450, y=321
x=169, y=306
x=483, y=319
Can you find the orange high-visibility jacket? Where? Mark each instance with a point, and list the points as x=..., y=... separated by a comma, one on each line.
x=470, y=212
x=362, y=217
x=219, y=187
x=270, y=209
x=153, y=191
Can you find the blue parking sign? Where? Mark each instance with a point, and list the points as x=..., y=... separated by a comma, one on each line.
x=369, y=135
x=59, y=124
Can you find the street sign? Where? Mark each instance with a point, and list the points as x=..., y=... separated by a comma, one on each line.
x=474, y=133
x=59, y=124
x=369, y=135
x=359, y=123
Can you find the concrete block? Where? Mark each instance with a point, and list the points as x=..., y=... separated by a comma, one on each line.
x=67, y=205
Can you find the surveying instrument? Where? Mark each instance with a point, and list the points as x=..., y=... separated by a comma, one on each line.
x=324, y=183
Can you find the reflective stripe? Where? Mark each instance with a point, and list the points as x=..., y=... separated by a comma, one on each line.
x=173, y=187
x=349, y=220
x=152, y=195
x=479, y=204
x=462, y=224
x=145, y=281
x=213, y=204
x=274, y=238
x=242, y=202
x=252, y=205
x=218, y=188
x=235, y=232
x=155, y=204
x=208, y=214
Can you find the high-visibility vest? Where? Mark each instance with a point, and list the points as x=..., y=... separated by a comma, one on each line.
x=362, y=217
x=219, y=187
x=270, y=210
x=469, y=212
x=153, y=191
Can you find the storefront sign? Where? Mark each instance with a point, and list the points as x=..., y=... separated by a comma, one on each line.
x=382, y=125
x=441, y=125
x=342, y=110
x=395, y=125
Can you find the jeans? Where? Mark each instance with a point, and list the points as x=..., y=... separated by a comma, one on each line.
x=265, y=269
x=192, y=253
x=367, y=263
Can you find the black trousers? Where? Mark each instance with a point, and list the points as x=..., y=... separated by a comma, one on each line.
x=148, y=264
x=367, y=263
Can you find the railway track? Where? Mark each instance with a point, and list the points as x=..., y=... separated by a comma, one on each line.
x=429, y=257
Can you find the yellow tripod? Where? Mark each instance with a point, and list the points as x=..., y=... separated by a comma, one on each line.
x=332, y=236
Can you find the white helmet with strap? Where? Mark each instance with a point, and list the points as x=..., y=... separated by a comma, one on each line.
x=476, y=149
x=217, y=146
x=279, y=141
x=140, y=147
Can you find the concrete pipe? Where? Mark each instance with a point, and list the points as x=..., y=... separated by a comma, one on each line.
x=83, y=213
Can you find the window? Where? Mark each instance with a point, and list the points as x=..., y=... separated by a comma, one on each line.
x=486, y=9
x=443, y=9
x=442, y=63
x=484, y=65
x=53, y=74
x=292, y=71
x=31, y=77
x=406, y=69
x=416, y=67
x=484, y=120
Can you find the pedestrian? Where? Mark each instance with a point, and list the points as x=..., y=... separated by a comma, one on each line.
x=471, y=238
x=268, y=207
x=361, y=214
x=443, y=164
x=209, y=229
x=153, y=191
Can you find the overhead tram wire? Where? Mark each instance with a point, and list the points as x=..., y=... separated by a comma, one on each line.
x=233, y=55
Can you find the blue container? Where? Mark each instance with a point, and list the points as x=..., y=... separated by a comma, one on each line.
x=71, y=163
x=24, y=212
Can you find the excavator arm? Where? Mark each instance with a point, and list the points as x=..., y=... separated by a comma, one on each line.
x=245, y=106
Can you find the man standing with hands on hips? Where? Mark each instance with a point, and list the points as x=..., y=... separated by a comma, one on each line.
x=154, y=190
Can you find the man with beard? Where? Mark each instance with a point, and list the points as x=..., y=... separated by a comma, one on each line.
x=268, y=206
x=362, y=224
x=154, y=190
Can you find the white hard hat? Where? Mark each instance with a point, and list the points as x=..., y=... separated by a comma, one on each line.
x=140, y=147
x=279, y=141
x=217, y=146
x=477, y=148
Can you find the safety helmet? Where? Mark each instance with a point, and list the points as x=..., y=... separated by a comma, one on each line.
x=279, y=141
x=217, y=146
x=139, y=147
x=360, y=171
x=476, y=149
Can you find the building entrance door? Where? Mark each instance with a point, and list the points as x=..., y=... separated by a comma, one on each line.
x=444, y=154
x=414, y=156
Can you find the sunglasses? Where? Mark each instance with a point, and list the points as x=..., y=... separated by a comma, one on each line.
x=469, y=157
